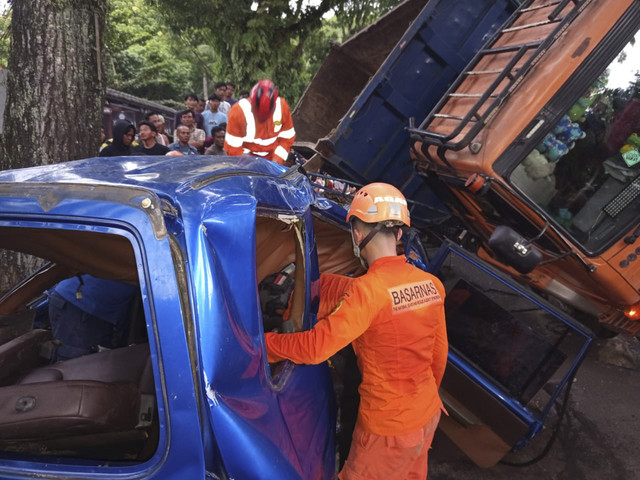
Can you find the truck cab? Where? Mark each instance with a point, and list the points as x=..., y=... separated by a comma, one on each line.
x=537, y=144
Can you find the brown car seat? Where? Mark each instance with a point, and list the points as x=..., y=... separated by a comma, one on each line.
x=22, y=354
x=129, y=364
x=100, y=403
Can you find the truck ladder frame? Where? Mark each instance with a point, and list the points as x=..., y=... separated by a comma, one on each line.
x=445, y=141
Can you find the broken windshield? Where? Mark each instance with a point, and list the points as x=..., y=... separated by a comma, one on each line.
x=585, y=173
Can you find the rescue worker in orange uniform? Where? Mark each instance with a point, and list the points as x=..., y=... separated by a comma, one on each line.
x=394, y=317
x=260, y=125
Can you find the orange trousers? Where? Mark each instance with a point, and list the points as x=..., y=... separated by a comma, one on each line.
x=389, y=457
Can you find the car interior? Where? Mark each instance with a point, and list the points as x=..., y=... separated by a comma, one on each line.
x=98, y=406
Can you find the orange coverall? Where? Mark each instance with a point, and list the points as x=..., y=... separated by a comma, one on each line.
x=394, y=315
x=246, y=135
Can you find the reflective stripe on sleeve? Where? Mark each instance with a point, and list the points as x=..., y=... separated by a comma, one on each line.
x=277, y=116
x=281, y=152
x=233, y=140
x=265, y=142
x=250, y=121
x=287, y=133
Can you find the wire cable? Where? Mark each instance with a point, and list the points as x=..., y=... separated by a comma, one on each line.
x=554, y=435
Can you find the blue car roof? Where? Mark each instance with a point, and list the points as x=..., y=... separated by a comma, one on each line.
x=175, y=177
x=157, y=173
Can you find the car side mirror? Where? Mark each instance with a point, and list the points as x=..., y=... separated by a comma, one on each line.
x=514, y=250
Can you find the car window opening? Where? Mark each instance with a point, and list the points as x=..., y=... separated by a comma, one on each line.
x=515, y=344
x=281, y=272
x=280, y=266
x=76, y=383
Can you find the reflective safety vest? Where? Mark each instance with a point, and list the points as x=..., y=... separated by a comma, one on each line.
x=271, y=139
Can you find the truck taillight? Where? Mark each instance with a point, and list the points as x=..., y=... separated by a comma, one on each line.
x=633, y=313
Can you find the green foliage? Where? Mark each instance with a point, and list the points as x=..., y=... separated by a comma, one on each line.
x=353, y=15
x=144, y=57
x=279, y=39
x=160, y=49
x=317, y=48
x=252, y=39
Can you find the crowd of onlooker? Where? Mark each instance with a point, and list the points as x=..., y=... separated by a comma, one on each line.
x=199, y=128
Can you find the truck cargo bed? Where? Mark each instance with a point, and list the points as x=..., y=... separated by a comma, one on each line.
x=366, y=139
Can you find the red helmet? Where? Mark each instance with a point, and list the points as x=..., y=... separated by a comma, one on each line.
x=263, y=99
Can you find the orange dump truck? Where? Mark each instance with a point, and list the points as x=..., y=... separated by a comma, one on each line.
x=540, y=136
x=533, y=149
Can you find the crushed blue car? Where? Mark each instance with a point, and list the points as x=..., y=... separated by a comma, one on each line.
x=192, y=395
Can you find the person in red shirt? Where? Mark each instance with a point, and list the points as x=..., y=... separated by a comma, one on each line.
x=260, y=125
x=394, y=317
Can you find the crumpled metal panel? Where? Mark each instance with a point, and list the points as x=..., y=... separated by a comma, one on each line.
x=263, y=430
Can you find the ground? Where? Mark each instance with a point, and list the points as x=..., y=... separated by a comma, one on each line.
x=598, y=438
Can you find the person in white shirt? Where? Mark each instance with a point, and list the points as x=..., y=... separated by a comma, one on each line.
x=221, y=91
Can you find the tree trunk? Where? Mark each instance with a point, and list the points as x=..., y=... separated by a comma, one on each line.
x=56, y=84
x=55, y=93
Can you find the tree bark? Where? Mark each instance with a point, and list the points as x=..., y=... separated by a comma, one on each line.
x=55, y=89
x=55, y=94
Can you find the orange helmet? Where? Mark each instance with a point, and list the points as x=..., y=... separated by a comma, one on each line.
x=263, y=99
x=380, y=203
x=173, y=152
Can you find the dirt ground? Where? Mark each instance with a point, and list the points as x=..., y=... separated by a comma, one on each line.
x=598, y=438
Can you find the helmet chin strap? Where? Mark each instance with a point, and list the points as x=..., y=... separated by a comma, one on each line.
x=356, y=252
x=357, y=249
